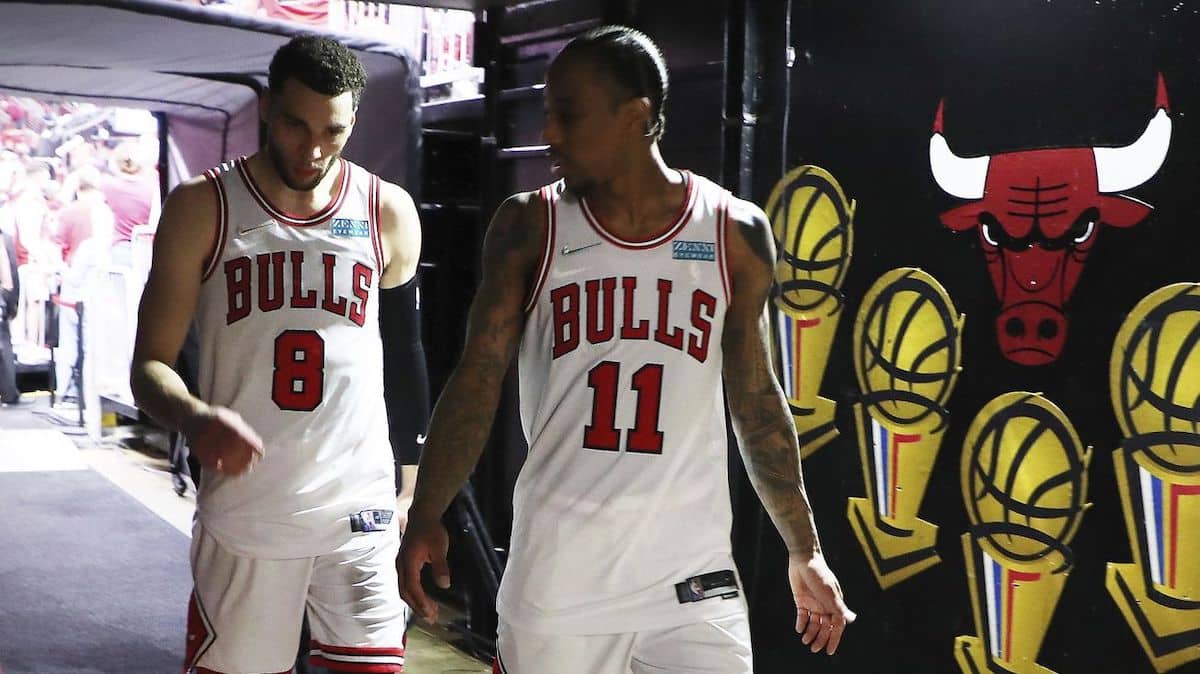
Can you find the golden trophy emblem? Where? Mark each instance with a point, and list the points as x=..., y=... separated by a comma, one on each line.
x=813, y=224
x=1024, y=483
x=907, y=354
x=1154, y=377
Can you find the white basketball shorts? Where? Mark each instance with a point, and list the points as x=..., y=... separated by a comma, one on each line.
x=720, y=646
x=245, y=613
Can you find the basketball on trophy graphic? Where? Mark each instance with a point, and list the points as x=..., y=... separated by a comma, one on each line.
x=812, y=222
x=1153, y=377
x=907, y=349
x=1024, y=477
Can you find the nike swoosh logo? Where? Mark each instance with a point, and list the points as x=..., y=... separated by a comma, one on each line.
x=567, y=250
x=420, y=439
x=257, y=227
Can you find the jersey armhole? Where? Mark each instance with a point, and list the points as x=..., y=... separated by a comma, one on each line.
x=375, y=215
x=220, y=233
x=723, y=246
x=548, y=196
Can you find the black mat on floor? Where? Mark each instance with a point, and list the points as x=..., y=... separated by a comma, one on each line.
x=90, y=580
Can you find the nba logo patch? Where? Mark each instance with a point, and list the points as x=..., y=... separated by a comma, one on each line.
x=694, y=250
x=370, y=520
x=351, y=229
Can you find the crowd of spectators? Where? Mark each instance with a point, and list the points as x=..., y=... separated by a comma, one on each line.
x=75, y=194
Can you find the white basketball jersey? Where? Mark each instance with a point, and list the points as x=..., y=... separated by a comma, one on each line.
x=625, y=489
x=289, y=339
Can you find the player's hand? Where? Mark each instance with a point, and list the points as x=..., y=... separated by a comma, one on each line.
x=424, y=542
x=223, y=441
x=821, y=615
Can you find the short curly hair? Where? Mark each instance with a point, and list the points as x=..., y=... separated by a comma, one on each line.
x=322, y=64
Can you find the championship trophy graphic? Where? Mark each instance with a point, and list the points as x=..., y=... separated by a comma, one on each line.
x=906, y=355
x=1024, y=482
x=813, y=225
x=1154, y=377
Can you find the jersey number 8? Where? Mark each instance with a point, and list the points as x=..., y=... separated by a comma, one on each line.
x=299, y=379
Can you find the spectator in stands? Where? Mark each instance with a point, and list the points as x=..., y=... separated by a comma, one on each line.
x=85, y=266
x=132, y=193
x=75, y=219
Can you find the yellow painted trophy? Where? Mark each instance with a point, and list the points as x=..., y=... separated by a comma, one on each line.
x=1024, y=482
x=1154, y=378
x=813, y=225
x=907, y=354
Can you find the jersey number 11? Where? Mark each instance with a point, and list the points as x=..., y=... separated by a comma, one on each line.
x=602, y=433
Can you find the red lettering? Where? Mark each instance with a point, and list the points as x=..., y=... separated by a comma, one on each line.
x=237, y=286
x=301, y=300
x=673, y=337
x=628, y=329
x=565, y=303
x=698, y=343
x=361, y=287
x=337, y=306
x=600, y=328
x=268, y=263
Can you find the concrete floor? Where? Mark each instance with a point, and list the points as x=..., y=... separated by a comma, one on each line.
x=31, y=440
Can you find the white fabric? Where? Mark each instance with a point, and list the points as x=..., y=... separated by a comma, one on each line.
x=319, y=466
x=718, y=646
x=247, y=612
x=600, y=538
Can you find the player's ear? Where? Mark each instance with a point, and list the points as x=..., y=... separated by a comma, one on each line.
x=638, y=115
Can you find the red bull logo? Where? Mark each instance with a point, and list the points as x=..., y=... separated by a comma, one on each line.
x=1038, y=214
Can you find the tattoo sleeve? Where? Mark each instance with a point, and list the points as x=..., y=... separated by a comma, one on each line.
x=462, y=418
x=761, y=419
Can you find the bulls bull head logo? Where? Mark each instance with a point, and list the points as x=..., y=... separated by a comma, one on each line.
x=1038, y=214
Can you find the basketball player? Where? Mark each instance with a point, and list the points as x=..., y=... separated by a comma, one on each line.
x=628, y=289
x=283, y=260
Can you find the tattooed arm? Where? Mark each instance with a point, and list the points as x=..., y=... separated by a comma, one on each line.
x=464, y=413
x=766, y=433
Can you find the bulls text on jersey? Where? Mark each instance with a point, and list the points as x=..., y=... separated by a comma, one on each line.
x=261, y=282
x=591, y=316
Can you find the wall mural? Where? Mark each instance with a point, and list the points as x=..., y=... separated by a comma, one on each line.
x=1038, y=214
x=1024, y=481
x=1155, y=385
x=813, y=223
x=906, y=354
x=1060, y=140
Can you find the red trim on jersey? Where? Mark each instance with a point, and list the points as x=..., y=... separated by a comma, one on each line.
x=375, y=216
x=221, y=233
x=668, y=233
x=723, y=246
x=199, y=635
x=357, y=658
x=283, y=216
x=547, y=193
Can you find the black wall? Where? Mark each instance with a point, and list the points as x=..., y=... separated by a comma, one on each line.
x=1014, y=75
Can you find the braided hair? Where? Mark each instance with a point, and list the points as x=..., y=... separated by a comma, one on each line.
x=632, y=61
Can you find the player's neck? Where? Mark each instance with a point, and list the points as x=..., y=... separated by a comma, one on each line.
x=301, y=202
x=641, y=198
